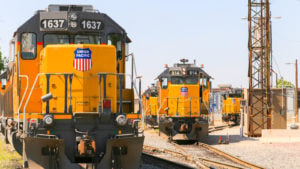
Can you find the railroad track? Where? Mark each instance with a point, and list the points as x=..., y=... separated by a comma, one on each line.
x=217, y=128
x=153, y=162
x=195, y=154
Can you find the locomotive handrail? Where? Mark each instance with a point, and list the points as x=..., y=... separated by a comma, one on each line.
x=185, y=100
x=24, y=119
x=30, y=93
x=24, y=94
x=106, y=73
x=157, y=118
x=141, y=109
x=136, y=90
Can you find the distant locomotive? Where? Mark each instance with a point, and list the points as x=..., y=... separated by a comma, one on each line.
x=179, y=102
x=231, y=108
x=63, y=99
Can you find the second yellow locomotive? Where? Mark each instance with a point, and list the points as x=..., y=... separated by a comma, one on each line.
x=179, y=102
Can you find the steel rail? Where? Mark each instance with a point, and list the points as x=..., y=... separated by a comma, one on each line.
x=203, y=162
x=182, y=155
x=230, y=157
x=217, y=164
x=162, y=162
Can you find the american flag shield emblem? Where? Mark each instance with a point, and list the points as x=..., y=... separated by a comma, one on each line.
x=184, y=91
x=82, y=60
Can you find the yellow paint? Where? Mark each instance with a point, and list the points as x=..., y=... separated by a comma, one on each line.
x=178, y=105
x=133, y=116
x=59, y=59
x=231, y=105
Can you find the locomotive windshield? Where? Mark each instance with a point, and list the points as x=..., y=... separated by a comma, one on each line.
x=56, y=39
x=176, y=80
x=67, y=39
x=86, y=39
x=191, y=80
x=181, y=80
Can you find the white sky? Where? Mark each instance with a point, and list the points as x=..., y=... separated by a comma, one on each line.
x=212, y=32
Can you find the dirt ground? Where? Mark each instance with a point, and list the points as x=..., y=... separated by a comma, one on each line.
x=9, y=159
x=269, y=155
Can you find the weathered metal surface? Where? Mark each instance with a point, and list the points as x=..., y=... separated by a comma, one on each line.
x=260, y=109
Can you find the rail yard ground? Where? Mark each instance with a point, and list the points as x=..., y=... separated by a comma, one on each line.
x=9, y=158
x=253, y=150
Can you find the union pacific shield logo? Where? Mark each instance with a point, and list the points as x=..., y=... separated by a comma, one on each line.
x=184, y=91
x=82, y=60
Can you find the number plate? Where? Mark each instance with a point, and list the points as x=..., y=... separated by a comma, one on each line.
x=91, y=24
x=53, y=23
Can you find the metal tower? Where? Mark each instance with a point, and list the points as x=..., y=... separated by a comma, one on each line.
x=259, y=100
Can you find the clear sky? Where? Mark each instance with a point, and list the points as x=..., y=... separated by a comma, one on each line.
x=164, y=31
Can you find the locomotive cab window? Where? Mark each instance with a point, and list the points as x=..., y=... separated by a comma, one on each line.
x=204, y=82
x=56, y=39
x=116, y=40
x=164, y=83
x=28, y=46
x=86, y=39
x=176, y=80
x=191, y=80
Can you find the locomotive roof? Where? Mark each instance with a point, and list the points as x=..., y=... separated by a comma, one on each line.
x=180, y=67
x=64, y=12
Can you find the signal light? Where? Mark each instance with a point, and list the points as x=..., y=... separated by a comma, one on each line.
x=106, y=104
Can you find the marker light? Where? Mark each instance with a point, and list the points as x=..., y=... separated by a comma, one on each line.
x=121, y=120
x=106, y=104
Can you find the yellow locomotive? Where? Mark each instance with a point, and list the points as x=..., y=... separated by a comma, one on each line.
x=63, y=96
x=231, y=108
x=179, y=102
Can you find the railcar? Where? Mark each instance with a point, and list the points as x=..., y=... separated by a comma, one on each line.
x=63, y=99
x=231, y=105
x=179, y=102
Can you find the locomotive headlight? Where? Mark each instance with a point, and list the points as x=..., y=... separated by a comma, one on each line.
x=73, y=17
x=121, y=120
x=73, y=24
x=48, y=119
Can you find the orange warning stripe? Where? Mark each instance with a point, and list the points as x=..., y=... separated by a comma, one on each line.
x=133, y=116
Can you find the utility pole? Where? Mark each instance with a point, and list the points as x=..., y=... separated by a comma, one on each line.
x=259, y=24
x=296, y=91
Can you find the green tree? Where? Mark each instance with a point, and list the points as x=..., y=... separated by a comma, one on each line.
x=1, y=61
x=285, y=83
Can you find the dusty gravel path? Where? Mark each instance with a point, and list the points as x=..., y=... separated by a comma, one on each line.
x=269, y=155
